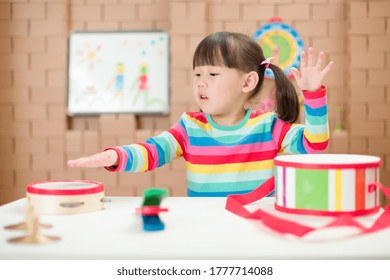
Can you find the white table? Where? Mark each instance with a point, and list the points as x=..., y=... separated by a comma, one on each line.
x=196, y=228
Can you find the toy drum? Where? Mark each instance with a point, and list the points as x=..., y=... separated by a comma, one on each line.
x=66, y=197
x=327, y=184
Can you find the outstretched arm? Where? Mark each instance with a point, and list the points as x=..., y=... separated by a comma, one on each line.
x=311, y=74
x=137, y=157
x=104, y=159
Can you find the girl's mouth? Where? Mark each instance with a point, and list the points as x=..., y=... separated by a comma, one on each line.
x=203, y=97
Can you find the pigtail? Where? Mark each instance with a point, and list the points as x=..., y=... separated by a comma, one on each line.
x=287, y=103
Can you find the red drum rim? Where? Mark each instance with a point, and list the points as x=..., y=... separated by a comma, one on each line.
x=35, y=188
x=313, y=212
x=319, y=161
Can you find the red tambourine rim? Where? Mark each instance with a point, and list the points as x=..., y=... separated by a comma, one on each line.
x=34, y=189
x=361, y=212
x=327, y=166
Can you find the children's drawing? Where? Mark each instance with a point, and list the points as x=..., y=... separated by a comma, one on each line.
x=117, y=82
x=118, y=72
x=90, y=56
x=141, y=87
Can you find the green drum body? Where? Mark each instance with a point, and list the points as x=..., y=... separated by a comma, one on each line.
x=327, y=184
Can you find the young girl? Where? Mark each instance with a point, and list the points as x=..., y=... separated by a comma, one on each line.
x=229, y=149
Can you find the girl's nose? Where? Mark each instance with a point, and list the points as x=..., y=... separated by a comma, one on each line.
x=201, y=83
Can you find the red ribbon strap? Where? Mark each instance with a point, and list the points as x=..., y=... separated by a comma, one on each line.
x=235, y=204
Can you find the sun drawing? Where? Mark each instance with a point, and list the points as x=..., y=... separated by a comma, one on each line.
x=90, y=55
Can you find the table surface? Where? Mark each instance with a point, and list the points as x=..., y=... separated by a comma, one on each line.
x=195, y=228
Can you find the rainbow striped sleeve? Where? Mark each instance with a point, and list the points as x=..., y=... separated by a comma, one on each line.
x=312, y=137
x=148, y=155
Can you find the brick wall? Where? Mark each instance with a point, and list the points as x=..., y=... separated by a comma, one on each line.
x=368, y=81
x=37, y=138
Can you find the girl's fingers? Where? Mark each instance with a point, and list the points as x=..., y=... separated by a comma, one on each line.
x=296, y=73
x=74, y=163
x=320, y=61
x=310, y=61
x=81, y=162
x=92, y=161
x=303, y=60
x=327, y=68
x=106, y=158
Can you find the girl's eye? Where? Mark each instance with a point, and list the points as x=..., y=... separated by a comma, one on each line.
x=214, y=74
x=197, y=75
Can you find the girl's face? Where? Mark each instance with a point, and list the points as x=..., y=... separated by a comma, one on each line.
x=217, y=90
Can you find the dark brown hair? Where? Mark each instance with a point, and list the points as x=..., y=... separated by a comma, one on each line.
x=239, y=51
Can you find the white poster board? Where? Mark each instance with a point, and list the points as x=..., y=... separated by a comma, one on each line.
x=118, y=72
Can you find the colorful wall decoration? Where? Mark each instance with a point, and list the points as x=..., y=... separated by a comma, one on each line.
x=118, y=72
x=282, y=42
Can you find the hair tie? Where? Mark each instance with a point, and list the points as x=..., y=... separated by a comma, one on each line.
x=267, y=62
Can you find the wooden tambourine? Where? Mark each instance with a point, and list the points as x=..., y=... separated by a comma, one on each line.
x=66, y=197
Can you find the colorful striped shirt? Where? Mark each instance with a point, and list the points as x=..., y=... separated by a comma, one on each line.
x=222, y=160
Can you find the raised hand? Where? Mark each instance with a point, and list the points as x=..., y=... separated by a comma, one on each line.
x=311, y=74
x=106, y=158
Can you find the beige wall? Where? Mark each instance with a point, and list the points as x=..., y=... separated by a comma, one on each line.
x=36, y=136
